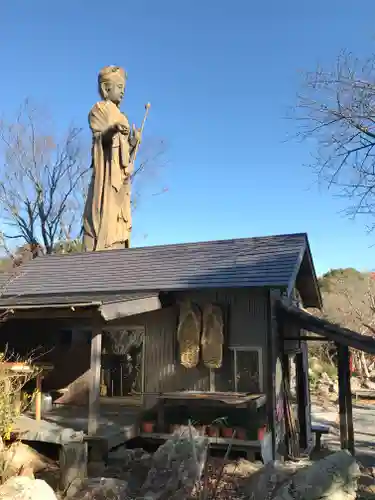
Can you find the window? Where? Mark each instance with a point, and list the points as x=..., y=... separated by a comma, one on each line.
x=247, y=369
x=122, y=362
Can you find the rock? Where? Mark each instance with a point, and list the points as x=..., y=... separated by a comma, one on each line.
x=355, y=384
x=334, y=387
x=315, y=365
x=369, y=384
x=325, y=379
x=176, y=466
x=129, y=465
x=20, y=456
x=24, y=488
x=73, y=463
x=265, y=480
x=323, y=390
x=243, y=468
x=102, y=488
x=334, y=478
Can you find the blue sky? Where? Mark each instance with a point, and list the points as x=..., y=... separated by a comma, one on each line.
x=220, y=77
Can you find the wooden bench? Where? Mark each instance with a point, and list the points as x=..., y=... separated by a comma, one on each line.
x=319, y=430
x=364, y=393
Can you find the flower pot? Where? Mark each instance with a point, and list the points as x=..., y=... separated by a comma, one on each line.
x=148, y=427
x=227, y=432
x=241, y=434
x=261, y=433
x=213, y=431
x=173, y=428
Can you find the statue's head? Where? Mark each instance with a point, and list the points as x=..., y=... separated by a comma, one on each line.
x=112, y=82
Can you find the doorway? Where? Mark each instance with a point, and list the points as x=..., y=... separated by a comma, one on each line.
x=122, y=376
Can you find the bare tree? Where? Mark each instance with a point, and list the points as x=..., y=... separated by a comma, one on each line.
x=44, y=181
x=41, y=182
x=336, y=110
x=349, y=299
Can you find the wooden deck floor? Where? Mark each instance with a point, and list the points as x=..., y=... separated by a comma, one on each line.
x=117, y=424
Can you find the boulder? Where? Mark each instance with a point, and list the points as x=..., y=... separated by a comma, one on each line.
x=25, y=488
x=102, y=488
x=355, y=384
x=176, y=466
x=334, y=477
x=19, y=457
x=315, y=365
x=368, y=384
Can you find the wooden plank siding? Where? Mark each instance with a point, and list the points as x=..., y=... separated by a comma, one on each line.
x=245, y=325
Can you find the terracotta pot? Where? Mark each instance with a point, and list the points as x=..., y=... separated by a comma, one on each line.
x=261, y=432
x=241, y=434
x=213, y=431
x=148, y=427
x=227, y=432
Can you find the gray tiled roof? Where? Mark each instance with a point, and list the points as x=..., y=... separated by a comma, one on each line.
x=247, y=262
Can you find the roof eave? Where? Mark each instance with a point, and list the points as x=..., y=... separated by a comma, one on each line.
x=305, y=253
x=26, y=307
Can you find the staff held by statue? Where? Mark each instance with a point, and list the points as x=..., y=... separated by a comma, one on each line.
x=140, y=132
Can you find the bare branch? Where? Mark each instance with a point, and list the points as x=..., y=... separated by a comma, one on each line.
x=336, y=110
x=41, y=180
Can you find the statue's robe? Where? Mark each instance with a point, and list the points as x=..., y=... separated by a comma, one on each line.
x=107, y=216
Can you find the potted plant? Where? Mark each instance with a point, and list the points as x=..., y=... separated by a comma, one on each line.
x=148, y=427
x=261, y=432
x=227, y=432
x=225, y=429
x=241, y=433
x=213, y=430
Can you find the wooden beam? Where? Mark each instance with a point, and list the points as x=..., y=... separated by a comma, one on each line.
x=301, y=400
x=38, y=397
x=307, y=338
x=348, y=399
x=95, y=369
x=118, y=310
x=50, y=313
x=272, y=343
x=342, y=396
x=327, y=329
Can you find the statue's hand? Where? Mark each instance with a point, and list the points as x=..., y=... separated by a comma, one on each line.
x=137, y=134
x=123, y=129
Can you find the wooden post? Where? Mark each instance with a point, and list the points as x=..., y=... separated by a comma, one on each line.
x=348, y=399
x=301, y=400
x=38, y=397
x=341, y=358
x=212, y=380
x=271, y=355
x=95, y=369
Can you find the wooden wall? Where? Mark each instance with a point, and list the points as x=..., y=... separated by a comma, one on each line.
x=246, y=323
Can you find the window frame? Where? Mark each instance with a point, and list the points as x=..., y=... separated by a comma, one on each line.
x=242, y=348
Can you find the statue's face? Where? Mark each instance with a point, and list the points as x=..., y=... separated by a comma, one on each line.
x=115, y=90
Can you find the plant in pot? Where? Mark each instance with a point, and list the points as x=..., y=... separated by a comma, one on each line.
x=241, y=433
x=213, y=430
x=226, y=430
x=148, y=427
x=200, y=428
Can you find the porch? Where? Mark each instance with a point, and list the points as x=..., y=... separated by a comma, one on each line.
x=294, y=324
x=116, y=425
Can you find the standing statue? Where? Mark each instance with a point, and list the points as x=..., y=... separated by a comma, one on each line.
x=107, y=221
